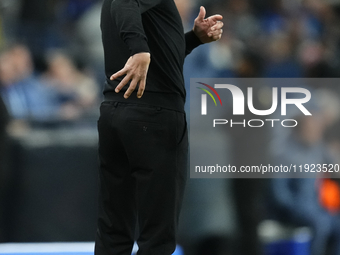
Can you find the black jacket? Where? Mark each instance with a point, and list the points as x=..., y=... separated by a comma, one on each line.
x=155, y=26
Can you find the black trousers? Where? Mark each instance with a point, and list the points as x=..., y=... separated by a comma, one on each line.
x=143, y=167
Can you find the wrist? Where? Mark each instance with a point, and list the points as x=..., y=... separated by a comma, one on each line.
x=142, y=55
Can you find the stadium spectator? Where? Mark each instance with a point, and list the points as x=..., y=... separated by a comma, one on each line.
x=25, y=96
x=75, y=91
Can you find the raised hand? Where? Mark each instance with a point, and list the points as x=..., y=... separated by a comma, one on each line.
x=209, y=29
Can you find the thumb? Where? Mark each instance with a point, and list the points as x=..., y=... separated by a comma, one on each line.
x=201, y=15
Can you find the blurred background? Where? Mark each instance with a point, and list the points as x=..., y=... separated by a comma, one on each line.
x=51, y=77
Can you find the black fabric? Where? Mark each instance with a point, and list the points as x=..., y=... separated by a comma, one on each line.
x=165, y=100
x=155, y=26
x=143, y=143
x=191, y=42
x=4, y=119
x=143, y=161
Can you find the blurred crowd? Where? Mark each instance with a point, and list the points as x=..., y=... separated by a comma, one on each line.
x=51, y=72
x=49, y=64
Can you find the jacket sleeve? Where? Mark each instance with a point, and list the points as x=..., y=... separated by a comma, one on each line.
x=126, y=14
x=4, y=117
x=191, y=42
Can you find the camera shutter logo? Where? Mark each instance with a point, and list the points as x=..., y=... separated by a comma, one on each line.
x=204, y=97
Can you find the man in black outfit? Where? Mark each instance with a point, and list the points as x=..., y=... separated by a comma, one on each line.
x=4, y=120
x=143, y=143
